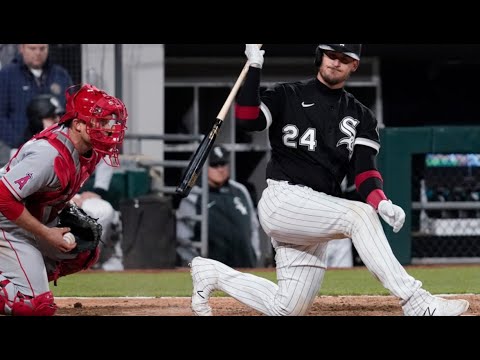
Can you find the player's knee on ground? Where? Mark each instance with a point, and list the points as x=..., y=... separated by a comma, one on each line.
x=293, y=307
x=23, y=305
x=283, y=310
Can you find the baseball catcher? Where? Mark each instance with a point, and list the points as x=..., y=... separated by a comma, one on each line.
x=37, y=185
x=87, y=232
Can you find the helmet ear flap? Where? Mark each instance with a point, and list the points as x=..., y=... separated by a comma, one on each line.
x=318, y=57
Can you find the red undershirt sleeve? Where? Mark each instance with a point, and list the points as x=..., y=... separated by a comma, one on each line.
x=9, y=206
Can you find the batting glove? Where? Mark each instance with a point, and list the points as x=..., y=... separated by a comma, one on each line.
x=254, y=55
x=392, y=214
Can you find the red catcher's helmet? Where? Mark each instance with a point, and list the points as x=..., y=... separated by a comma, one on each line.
x=105, y=117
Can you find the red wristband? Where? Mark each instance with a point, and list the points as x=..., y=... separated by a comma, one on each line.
x=375, y=197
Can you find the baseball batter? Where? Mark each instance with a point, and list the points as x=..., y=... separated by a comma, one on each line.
x=317, y=130
x=35, y=186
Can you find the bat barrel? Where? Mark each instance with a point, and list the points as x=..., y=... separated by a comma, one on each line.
x=197, y=161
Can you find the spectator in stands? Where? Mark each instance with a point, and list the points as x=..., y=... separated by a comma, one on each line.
x=29, y=74
x=42, y=112
x=233, y=236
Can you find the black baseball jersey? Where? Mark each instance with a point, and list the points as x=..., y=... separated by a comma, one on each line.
x=313, y=133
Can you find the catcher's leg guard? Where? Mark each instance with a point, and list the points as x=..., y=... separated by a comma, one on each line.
x=23, y=305
x=3, y=296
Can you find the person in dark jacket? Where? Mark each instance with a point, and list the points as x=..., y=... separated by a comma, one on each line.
x=233, y=228
x=29, y=74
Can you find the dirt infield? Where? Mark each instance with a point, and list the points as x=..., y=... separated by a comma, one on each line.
x=226, y=306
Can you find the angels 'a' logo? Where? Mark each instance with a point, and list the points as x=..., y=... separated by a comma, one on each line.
x=348, y=127
x=23, y=181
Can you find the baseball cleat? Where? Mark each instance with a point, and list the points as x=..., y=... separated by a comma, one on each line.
x=199, y=306
x=437, y=306
x=444, y=307
x=204, y=277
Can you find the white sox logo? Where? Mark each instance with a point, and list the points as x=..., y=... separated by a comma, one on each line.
x=239, y=205
x=347, y=126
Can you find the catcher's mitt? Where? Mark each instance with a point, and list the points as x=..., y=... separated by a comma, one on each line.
x=87, y=232
x=86, y=229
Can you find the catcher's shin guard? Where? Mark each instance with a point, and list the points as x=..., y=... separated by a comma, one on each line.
x=41, y=305
x=23, y=305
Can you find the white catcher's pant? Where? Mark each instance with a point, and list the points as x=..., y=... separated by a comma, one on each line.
x=300, y=222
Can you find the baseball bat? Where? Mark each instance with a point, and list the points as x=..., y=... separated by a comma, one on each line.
x=198, y=159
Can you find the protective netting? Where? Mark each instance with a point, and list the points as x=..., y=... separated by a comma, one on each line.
x=446, y=206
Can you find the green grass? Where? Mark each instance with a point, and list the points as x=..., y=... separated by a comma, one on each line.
x=357, y=281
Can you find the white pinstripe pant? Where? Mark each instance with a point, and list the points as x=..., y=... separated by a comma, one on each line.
x=300, y=222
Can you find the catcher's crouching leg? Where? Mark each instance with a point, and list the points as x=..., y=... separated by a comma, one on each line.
x=83, y=261
x=23, y=305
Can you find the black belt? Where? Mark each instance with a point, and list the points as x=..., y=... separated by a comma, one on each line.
x=291, y=183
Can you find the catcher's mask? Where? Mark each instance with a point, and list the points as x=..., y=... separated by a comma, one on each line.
x=352, y=50
x=105, y=117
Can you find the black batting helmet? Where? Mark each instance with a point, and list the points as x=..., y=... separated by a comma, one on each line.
x=41, y=107
x=352, y=50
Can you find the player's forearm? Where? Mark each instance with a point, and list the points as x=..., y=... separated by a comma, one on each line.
x=16, y=212
x=249, y=95
x=52, y=236
x=28, y=222
x=247, y=107
x=368, y=180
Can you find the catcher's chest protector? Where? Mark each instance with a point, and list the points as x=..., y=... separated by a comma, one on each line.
x=71, y=173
